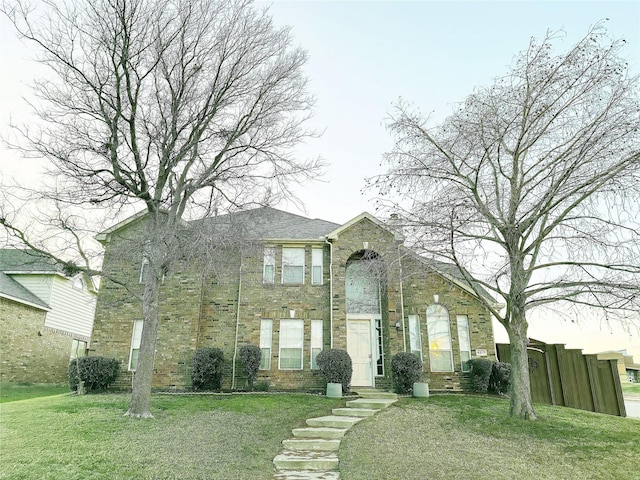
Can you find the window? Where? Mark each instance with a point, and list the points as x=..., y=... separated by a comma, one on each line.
x=266, y=328
x=136, y=337
x=380, y=348
x=316, y=341
x=291, y=340
x=293, y=265
x=415, y=340
x=78, y=349
x=78, y=283
x=316, y=266
x=465, y=341
x=144, y=270
x=269, y=268
x=440, y=354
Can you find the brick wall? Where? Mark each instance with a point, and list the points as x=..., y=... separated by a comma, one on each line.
x=29, y=352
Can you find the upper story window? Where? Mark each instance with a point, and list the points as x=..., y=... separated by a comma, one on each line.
x=78, y=283
x=269, y=266
x=316, y=266
x=293, y=265
x=136, y=339
x=144, y=270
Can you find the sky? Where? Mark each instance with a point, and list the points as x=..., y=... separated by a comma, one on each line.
x=364, y=56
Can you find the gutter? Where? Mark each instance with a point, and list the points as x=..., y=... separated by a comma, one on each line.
x=235, y=343
x=326, y=240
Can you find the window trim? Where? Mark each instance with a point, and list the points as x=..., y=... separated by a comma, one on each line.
x=136, y=340
x=317, y=261
x=269, y=260
x=266, y=343
x=463, y=328
x=144, y=270
x=316, y=342
x=415, y=320
x=299, y=326
x=285, y=266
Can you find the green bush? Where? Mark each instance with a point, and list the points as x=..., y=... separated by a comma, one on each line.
x=406, y=369
x=250, y=356
x=97, y=373
x=206, y=372
x=261, y=386
x=336, y=367
x=480, y=373
x=500, y=378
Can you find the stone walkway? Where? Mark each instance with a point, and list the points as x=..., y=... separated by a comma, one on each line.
x=312, y=452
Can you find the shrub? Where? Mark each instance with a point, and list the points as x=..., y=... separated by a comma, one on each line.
x=250, y=355
x=480, y=373
x=97, y=373
x=406, y=369
x=336, y=367
x=500, y=378
x=262, y=386
x=206, y=372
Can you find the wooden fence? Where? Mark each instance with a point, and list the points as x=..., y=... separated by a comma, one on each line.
x=566, y=377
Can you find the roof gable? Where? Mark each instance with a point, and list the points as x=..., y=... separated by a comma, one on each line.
x=12, y=290
x=364, y=216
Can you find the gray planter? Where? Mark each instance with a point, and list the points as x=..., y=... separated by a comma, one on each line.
x=420, y=389
x=334, y=390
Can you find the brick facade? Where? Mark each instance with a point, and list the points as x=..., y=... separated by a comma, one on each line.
x=29, y=352
x=224, y=309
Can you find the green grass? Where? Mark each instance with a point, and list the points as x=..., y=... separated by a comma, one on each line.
x=472, y=437
x=11, y=392
x=191, y=437
x=633, y=388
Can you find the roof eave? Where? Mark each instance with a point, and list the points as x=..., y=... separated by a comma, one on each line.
x=24, y=302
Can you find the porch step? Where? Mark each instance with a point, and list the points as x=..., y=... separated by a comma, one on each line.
x=354, y=412
x=311, y=444
x=313, y=461
x=306, y=475
x=335, y=421
x=373, y=403
x=365, y=393
x=319, y=432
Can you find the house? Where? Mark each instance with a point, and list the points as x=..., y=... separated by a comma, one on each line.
x=293, y=286
x=628, y=369
x=46, y=317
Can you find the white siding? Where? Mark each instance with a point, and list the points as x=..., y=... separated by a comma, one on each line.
x=72, y=310
x=39, y=285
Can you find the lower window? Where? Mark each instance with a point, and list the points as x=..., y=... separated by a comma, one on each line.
x=291, y=344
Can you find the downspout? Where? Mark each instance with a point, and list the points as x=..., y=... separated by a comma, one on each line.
x=404, y=332
x=235, y=343
x=326, y=240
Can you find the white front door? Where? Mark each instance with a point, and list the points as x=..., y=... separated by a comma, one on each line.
x=359, y=349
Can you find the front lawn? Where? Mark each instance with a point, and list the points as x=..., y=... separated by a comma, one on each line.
x=192, y=437
x=11, y=392
x=472, y=437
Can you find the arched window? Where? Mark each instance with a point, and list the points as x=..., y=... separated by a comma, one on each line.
x=439, y=331
x=363, y=286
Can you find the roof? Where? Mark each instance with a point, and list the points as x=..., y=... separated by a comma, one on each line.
x=364, y=215
x=12, y=290
x=13, y=260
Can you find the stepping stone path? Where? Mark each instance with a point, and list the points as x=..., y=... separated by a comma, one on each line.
x=312, y=453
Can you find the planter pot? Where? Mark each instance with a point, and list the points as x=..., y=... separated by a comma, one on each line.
x=420, y=389
x=334, y=390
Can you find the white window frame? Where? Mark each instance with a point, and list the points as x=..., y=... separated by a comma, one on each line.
x=144, y=270
x=317, y=265
x=266, y=342
x=269, y=260
x=288, y=262
x=75, y=345
x=438, y=316
x=291, y=338
x=464, y=339
x=136, y=339
x=415, y=337
x=315, y=346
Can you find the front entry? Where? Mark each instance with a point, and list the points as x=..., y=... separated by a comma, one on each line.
x=359, y=347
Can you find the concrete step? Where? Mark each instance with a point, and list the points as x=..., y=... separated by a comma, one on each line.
x=319, y=432
x=335, y=421
x=354, y=412
x=306, y=475
x=373, y=403
x=315, y=444
x=313, y=461
x=376, y=394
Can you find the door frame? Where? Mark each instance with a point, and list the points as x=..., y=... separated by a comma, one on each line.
x=373, y=348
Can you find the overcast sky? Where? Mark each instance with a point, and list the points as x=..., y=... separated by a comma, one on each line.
x=363, y=57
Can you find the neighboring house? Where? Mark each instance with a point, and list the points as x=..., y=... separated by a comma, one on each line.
x=628, y=369
x=299, y=286
x=46, y=318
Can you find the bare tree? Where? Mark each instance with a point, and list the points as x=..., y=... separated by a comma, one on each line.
x=532, y=185
x=178, y=107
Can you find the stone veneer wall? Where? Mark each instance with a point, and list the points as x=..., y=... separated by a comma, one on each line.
x=29, y=352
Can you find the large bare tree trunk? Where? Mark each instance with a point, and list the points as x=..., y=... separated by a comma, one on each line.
x=521, y=403
x=140, y=406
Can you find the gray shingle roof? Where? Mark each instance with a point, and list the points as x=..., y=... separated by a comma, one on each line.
x=12, y=289
x=16, y=260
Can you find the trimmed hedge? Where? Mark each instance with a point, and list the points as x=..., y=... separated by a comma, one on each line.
x=406, y=369
x=480, y=373
x=206, y=371
x=97, y=373
x=250, y=355
x=336, y=367
x=500, y=379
